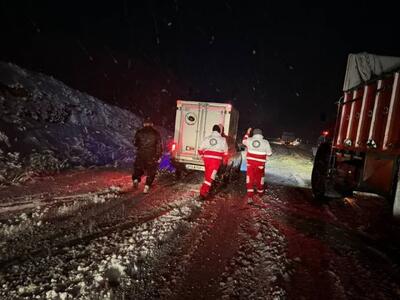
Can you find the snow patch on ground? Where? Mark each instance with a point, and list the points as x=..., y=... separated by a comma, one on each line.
x=289, y=167
x=41, y=209
x=21, y=223
x=119, y=263
x=260, y=266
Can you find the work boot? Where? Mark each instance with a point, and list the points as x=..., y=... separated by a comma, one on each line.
x=201, y=198
x=250, y=200
x=135, y=183
x=146, y=189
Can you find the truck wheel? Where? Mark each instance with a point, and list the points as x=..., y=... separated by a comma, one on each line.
x=319, y=176
x=396, y=192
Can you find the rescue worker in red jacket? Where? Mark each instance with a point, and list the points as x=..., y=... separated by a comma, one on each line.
x=258, y=149
x=214, y=151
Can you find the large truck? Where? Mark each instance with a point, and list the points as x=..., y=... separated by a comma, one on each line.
x=194, y=121
x=364, y=154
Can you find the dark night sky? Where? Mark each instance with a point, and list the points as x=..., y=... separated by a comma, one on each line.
x=281, y=63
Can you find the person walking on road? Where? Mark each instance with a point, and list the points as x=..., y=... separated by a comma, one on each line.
x=214, y=151
x=258, y=149
x=149, y=150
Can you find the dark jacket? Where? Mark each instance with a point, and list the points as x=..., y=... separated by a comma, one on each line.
x=148, y=143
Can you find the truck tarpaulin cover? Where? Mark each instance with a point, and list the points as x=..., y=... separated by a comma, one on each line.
x=364, y=66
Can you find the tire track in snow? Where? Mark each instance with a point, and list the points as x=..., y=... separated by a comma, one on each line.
x=128, y=257
x=54, y=242
x=328, y=255
x=192, y=268
x=260, y=267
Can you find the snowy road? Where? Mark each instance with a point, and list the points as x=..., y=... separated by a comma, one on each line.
x=88, y=235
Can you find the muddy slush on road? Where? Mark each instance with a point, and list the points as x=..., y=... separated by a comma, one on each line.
x=88, y=235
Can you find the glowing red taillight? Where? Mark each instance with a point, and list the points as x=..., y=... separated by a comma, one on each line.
x=325, y=133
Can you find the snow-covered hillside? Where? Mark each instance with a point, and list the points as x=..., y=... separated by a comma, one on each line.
x=46, y=126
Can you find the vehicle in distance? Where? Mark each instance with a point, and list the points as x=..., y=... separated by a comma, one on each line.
x=289, y=138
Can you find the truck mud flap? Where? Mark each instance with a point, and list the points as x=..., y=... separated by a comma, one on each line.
x=396, y=192
x=319, y=176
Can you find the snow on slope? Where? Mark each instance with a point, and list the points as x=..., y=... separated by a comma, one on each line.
x=46, y=126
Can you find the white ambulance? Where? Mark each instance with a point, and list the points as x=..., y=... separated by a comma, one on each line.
x=194, y=121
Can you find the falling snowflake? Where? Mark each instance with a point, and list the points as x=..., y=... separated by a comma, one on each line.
x=212, y=40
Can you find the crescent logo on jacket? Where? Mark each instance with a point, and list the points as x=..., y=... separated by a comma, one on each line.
x=256, y=144
x=213, y=142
